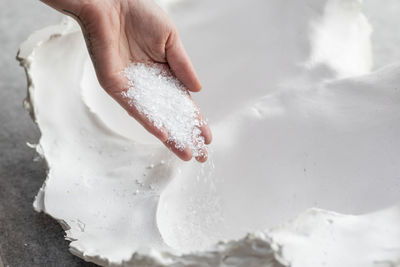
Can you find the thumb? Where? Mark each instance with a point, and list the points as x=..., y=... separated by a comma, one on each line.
x=180, y=63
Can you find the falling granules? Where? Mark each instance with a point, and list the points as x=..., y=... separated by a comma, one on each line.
x=165, y=101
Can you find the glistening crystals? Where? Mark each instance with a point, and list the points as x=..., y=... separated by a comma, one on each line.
x=164, y=100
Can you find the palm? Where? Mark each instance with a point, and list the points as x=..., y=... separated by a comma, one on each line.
x=135, y=31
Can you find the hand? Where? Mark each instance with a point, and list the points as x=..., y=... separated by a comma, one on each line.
x=119, y=32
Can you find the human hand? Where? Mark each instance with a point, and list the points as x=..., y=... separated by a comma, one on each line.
x=119, y=32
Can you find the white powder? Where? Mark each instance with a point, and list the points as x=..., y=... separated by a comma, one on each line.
x=164, y=100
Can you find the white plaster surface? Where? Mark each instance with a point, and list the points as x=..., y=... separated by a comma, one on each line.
x=301, y=119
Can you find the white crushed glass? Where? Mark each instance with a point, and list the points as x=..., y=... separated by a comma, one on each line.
x=165, y=101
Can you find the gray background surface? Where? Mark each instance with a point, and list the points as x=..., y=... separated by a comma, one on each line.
x=27, y=238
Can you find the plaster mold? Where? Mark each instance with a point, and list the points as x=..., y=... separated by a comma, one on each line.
x=306, y=124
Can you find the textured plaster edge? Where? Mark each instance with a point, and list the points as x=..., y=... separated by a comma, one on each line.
x=258, y=246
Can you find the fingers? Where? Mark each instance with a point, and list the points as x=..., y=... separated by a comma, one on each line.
x=185, y=154
x=205, y=130
x=202, y=155
x=203, y=158
x=180, y=63
x=206, y=134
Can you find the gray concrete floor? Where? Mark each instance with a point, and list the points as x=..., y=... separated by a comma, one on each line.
x=27, y=238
